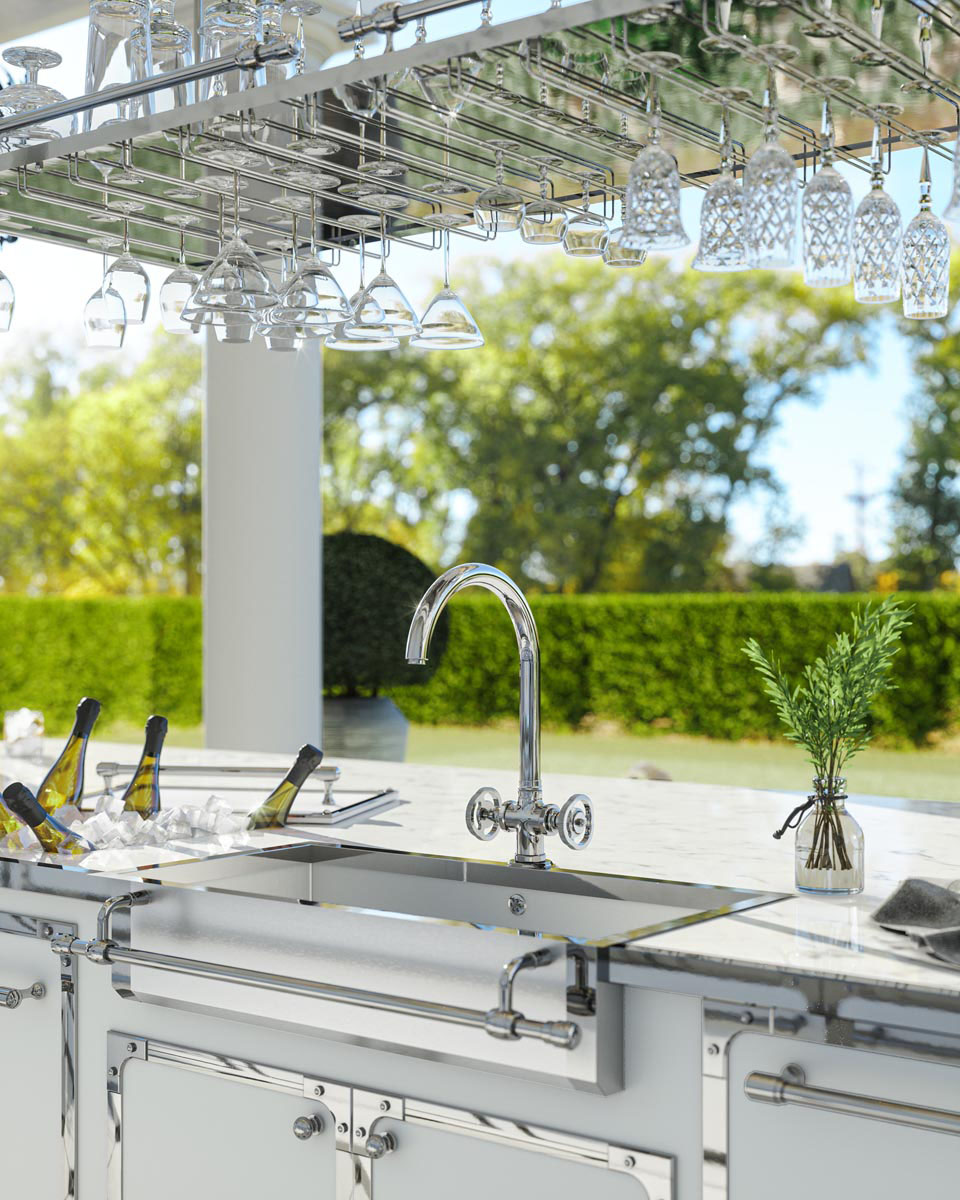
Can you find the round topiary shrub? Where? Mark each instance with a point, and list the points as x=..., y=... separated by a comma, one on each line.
x=371, y=589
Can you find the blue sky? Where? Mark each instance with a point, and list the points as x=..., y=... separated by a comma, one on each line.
x=859, y=423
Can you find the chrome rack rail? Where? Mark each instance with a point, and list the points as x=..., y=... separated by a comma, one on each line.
x=502, y=1022
x=108, y=771
x=335, y=808
x=791, y=1087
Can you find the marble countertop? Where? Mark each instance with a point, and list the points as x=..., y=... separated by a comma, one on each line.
x=686, y=832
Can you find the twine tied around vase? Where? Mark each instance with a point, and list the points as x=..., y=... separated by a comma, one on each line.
x=827, y=791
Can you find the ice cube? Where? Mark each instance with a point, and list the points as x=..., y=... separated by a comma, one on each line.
x=67, y=814
x=111, y=805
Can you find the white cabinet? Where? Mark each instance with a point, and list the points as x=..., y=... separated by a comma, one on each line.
x=795, y=1152
x=195, y=1136
x=38, y=1057
x=196, y=1125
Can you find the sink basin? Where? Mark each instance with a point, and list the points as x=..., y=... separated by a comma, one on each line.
x=579, y=907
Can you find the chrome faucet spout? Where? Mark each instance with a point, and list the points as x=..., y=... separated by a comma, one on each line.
x=528, y=644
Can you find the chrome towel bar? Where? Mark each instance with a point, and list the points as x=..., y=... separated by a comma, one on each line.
x=502, y=1022
x=791, y=1087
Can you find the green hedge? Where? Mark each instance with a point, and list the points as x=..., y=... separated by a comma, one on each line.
x=668, y=662
x=137, y=656
x=674, y=662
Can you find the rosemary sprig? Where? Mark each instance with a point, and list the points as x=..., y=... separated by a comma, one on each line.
x=828, y=711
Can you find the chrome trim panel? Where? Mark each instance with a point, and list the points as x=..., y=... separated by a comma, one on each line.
x=22, y=925
x=357, y=1116
x=503, y=1022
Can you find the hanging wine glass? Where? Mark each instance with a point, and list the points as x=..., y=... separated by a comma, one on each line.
x=827, y=218
x=721, y=43
x=873, y=57
x=312, y=299
x=544, y=221
x=384, y=311
x=129, y=280
x=651, y=213
x=770, y=191
x=234, y=281
x=877, y=237
x=447, y=323
x=448, y=99
x=175, y=293
x=342, y=338
x=723, y=241
x=823, y=26
x=301, y=9
x=500, y=208
x=7, y=303
x=105, y=318
x=926, y=258
x=21, y=98
x=586, y=233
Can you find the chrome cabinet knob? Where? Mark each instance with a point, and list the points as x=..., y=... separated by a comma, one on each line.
x=379, y=1144
x=483, y=813
x=575, y=822
x=305, y=1128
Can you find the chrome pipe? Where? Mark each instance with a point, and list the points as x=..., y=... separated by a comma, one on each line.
x=424, y=622
x=563, y=1034
x=388, y=18
x=791, y=1088
x=249, y=58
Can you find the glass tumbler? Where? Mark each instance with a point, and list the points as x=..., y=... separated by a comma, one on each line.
x=118, y=51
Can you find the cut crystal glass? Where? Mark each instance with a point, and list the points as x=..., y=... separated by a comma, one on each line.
x=926, y=258
x=877, y=239
x=723, y=243
x=651, y=219
x=651, y=207
x=827, y=216
x=770, y=191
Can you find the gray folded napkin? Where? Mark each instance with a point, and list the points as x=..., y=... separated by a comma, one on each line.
x=918, y=904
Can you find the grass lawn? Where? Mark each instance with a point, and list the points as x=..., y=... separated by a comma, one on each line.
x=918, y=774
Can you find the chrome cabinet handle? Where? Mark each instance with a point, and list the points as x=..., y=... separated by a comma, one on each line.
x=791, y=1087
x=14, y=997
x=304, y=1128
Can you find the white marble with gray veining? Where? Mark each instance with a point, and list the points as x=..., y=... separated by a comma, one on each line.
x=690, y=832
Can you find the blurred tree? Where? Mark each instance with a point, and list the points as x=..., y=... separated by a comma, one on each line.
x=100, y=472
x=926, y=496
x=598, y=440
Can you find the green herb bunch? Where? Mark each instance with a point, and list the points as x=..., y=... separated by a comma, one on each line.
x=828, y=711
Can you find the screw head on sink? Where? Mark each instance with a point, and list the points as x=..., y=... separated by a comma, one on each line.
x=518, y=905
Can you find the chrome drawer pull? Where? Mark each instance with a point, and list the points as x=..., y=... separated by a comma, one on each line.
x=501, y=1022
x=14, y=997
x=791, y=1087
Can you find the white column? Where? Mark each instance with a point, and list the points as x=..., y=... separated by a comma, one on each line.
x=262, y=547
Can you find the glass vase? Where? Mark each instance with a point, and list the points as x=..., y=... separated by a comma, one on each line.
x=829, y=846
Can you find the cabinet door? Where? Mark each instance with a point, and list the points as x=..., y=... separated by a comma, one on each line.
x=430, y=1164
x=37, y=1060
x=196, y=1136
x=798, y=1152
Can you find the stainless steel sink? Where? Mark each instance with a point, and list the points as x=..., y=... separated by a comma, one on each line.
x=579, y=907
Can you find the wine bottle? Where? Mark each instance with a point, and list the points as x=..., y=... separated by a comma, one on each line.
x=64, y=781
x=273, y=812
x=143, y=791
x=52, y=836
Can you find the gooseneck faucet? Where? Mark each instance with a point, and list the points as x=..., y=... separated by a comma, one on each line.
x=487, y=813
